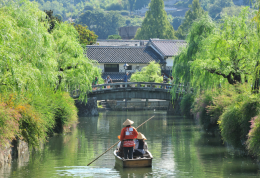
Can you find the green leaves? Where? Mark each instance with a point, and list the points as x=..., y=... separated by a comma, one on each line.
x=150, y=73
x=155, y=24
x=30, y=56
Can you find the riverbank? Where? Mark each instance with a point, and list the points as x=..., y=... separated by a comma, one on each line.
x=233, y=113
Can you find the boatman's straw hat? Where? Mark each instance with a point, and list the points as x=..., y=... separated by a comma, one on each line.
x=128, y=122
x=141, y=136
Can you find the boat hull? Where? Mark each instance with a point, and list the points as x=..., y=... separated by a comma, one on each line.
x=134, y=163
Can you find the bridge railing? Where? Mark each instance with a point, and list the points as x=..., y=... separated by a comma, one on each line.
x=110, y=86
x=163, y=87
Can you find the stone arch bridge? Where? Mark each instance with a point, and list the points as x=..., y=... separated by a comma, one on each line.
x=129, y=90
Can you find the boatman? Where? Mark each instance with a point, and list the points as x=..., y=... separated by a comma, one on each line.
x=128, y=134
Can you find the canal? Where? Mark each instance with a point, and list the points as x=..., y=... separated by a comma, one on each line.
x=179, y=147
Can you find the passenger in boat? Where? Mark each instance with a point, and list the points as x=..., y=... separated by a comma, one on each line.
x=140, y=145
x=128, y=134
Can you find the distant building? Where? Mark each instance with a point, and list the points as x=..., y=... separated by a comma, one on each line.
x=128, y=32
x=112, y=58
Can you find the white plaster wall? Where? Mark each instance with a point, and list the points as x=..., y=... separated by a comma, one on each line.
x=169, y=61
x=121, y=67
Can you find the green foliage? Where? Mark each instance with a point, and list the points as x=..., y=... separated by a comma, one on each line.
x=186, y=104
x=233, y=108
x=102, y=23
x=37, y=67
x=176, y=22
x=155, y=24
x=134, y=21
x=114, y=37
x=114, y=7
x=150, y=73
x=86, y=37
x=139, y=4
x=181, y=72
x=231, y=52
x=9, y=124
x=229, y=125
x=231, y=11
x=52, y=20
x=199, y=110
x=191, y=15
x=215, y=8
x=183, y=4
x=253, y=142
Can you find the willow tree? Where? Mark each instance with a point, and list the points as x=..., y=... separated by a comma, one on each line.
x=155, y=24
x=200, y=30
x=231, y=52
x=30, y=56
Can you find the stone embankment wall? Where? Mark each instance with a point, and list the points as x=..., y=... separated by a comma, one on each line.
x=16, y=149
x=138, y=105
x=87, y=109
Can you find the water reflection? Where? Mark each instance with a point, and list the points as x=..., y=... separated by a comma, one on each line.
x=178, y=146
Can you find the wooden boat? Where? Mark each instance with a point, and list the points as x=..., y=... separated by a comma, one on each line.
x=146, y=161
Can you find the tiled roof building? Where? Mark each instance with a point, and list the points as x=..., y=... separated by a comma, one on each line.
x=113, y=54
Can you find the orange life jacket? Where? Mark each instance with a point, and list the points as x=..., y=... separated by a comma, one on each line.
x=127, y=135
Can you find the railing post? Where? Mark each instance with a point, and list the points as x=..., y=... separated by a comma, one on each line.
x=138, y=85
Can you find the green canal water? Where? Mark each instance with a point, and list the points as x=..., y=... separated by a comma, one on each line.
x=179, y=147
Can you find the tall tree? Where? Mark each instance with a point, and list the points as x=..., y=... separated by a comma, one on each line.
x=86, y=37
x=155, y=24
x=102, y=23
x=194, y=13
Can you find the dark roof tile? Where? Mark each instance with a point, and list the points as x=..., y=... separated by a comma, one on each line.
x=119, y=54
x=168, y=48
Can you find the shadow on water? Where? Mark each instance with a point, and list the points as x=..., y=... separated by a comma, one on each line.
x=134, y=172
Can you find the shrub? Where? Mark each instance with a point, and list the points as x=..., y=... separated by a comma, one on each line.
x=118, y=37
x=222, y=98
x=249, y=109
x=32, y=126
x=253, y=142
x=9, y=124
x=65, y=112
x=199, y=110
x=240, y=107
x=229, y=125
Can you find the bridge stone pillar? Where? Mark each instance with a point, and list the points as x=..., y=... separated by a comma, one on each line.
x=87, y=109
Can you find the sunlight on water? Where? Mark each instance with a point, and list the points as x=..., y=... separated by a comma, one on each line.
x=86, y=171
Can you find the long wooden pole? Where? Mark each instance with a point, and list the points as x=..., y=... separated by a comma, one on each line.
x=117, y=143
